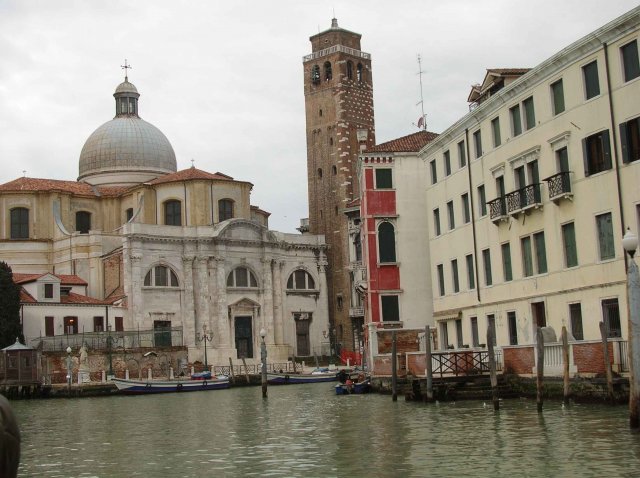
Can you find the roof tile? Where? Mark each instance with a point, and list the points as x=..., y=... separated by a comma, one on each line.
x=411, y=143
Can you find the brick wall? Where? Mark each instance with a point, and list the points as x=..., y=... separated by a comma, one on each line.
x=589, y=357
x=406, y=341
x=519, y=360
x=113, y=273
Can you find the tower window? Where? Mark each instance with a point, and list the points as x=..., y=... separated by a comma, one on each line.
x=360, y=73
x=315, y=74
x=350, y=70
x=83, y=222
x=320, y=112
x=334, y=170
x=330, y=141
x=328, y=75
x=320, y=172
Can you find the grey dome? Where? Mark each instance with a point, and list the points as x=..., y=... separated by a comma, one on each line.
x=126, y=87
x=126, y=143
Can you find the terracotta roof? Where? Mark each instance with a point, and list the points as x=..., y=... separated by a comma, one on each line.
x=508, y=71
x=73, y=298
x=72, y=187
x=65, y=279
x=190, y=173
x=261, y=211
x=411, y=143
x=25, y=297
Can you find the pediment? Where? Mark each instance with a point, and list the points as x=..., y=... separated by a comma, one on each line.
x=240, y=230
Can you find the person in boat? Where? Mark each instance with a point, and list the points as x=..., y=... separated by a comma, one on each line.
x=342, y=376
x=9, y=441
x=349, y=385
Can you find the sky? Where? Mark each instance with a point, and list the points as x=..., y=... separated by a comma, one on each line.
x=223, y=79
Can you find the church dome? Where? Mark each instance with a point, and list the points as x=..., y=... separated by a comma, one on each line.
x=127, y=149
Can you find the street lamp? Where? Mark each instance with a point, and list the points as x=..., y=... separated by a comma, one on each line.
x=69, y=369
x=109, y=350
x=204, y=338
x=263, y=359
x=630, y=244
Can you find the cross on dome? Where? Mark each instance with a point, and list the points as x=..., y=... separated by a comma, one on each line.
x=126, y=67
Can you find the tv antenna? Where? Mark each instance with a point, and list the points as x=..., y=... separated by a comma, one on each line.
x=422, y=121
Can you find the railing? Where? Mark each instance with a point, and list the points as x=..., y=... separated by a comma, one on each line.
x=559, y=184
x=334, y=49
x=523, y=198
x=133, y=339
x=497, y=208
x=253, y=369
x=463, y=362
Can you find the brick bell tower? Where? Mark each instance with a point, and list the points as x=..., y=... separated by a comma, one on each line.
x=338, y=92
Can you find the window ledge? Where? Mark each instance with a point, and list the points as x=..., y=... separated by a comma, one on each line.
x=303, y=292
x=161, y=287
x=385, y=264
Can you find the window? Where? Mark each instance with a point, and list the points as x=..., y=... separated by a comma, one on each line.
x=462, y=155
x=434, y=171
x=506, y=262
x=527, y=259
x=605, y=236
x=575, y=314
x=516, y=123
x=299, y=280
x=441, y=288
x=49, y=329
x=591, y=83
x=450, y=212
x=513, y=328
x=383, y=178
x=436, y=221
x=447, y=163
x=477, y=141
x=569, y=245
x=315, y=74
x=486, y=260
x=390, y=308
x=630, y=60
x=349, y=70
x=161, y=276
x=611, y=317
x=173, y=213
x=459, y=337
x=98, y=324
x=48, y=291
x=386, y=242
x=475, y=342
x=360, y=73
x=471, y=278
x=630, y=140
x=562, y=159
x=119, y=324
x=495, y=129
x=129, y=214
x=19, y=223
x=482, y=200
x=596, y=150
x=466, y=213
x=225, y=209
x=529, y=113
x=328, y=75
x=541, y=252
x=357, y=245
x=454, y=275
x=557, y=95
x=70, y=325
x=320, y=173
x=83, y=222
x=243, y=277
x=444, y=335
x=334, y=170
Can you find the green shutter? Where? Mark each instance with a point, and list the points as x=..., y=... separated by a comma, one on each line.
x=606, y=149
x=623, y=143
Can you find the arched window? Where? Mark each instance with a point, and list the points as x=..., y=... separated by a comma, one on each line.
x=20, y=223
x=350, y=70
x=241, y=277
x=334, y=170
x=386, y=242
x=173, y=213
x=161, y=276
x=360, y=73
x=83, y=222
x=319, y=172
x=327, y=71
x=225, y=209
x=301, y=280
x=315, y=74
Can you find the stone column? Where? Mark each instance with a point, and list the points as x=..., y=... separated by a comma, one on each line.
x=135, y=283
x=267, y=300
x=212, y=302
x=278, y=304
x=222, y=311
x=202, y=294
x=188, y=312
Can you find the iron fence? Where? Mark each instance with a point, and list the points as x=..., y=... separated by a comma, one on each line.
x=497, y=208
x=523, y=197
x=558, y=184
x=254, y=369
x=464, y=363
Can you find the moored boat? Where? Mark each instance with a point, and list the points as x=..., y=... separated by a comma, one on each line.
x=296, y=378
x=353, y=388
x=163, y=386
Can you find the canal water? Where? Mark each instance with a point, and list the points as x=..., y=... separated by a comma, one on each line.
x=308, y=431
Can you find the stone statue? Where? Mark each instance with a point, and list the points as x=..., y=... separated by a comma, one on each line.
x=83, y=369
x=84, y=357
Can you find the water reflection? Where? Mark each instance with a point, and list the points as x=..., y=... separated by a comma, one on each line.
x=307, y=431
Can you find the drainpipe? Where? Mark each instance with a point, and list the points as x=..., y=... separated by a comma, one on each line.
x=473, y=221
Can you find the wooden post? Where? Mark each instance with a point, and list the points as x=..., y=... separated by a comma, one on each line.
x=233, y=375
x=540, y=364
x=607, y=362
x=246, y=370
x=394, y=366
x=565, y=360
x=429, y=364
x=492, y=368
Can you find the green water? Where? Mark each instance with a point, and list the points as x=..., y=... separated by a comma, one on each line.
x=307, y=431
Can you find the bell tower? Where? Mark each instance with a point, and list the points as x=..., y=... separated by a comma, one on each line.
x=338, y=92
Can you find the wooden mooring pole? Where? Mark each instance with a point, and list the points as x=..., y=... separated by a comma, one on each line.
x=394, y=368
x=233, y=375
x=607, y=362
x=246, y=370
x=492, y=368
x=565, y=360
x=428, y=364
x=540, y=366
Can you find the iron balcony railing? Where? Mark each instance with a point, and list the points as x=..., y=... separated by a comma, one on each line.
x=497, y=208
x=559, y=185
x=334, y=49
x=523, y=198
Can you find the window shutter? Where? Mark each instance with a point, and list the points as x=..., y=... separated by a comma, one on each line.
x=623, y=142
x=585, y=157
x=606, y=149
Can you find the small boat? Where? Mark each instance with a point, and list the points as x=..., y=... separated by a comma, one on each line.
x=318, y=375
x=201, y=376
x=162, y=386
x=353, y=388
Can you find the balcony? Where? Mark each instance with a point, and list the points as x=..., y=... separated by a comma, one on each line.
x=498, y=209
x=525, y=198
x=559, y=186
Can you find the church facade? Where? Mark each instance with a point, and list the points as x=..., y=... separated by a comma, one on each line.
x=164, y=248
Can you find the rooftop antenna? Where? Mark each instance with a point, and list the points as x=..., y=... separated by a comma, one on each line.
x=422, y=121
x=192, y=163
x=24, y=173
x=126, y=67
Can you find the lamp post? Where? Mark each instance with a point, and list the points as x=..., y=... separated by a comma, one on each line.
x=69, y=369
x=630, y=244
x=204, y=338
x=263, y=360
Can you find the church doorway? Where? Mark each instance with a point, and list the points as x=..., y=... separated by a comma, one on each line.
x=303, y=345
x=244, y=336
x=162, y=333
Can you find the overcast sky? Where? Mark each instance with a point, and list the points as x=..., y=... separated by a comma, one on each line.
x=223, y=80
